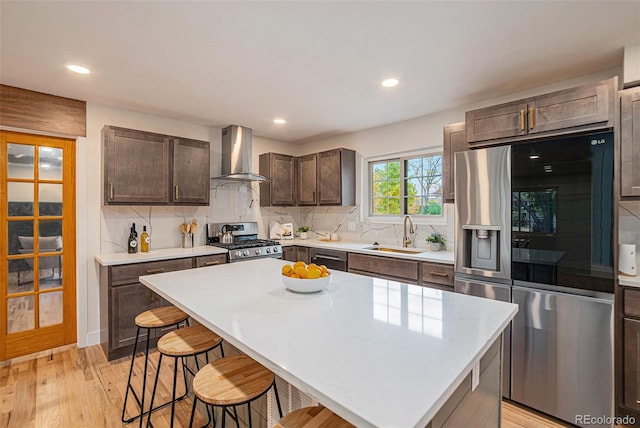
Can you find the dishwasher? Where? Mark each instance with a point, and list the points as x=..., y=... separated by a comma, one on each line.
x=332, y=259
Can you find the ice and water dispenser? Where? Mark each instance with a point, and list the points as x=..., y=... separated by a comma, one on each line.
x=481, y=247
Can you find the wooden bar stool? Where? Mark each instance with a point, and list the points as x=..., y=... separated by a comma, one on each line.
x=149, y=320
x=312, y=417
x=179, y=344
x=230, y=382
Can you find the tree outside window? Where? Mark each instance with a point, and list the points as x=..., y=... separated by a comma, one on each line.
x=406, y=186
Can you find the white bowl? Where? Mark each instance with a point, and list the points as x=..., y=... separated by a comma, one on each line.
x=298, y=285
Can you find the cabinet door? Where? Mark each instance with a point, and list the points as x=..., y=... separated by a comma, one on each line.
x=632, y=364
x=584, y=105
x=290, y=253
x=136, y=167
x=329, y=177
x=190, y=172
x=455, y=140
x=213, y=260
x=127, y=302
x=307, y=180
x=303, y=254
x=630, y=142
x=501, y=121
x=280, y=188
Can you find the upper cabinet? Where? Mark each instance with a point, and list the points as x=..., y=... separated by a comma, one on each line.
x=326, y=178
x=584, y=107
x=306, y=178
x=454, y=141
x=145, y=168
x=190, y=172
x=336, y=180
x=630, y=142
x=280, y=189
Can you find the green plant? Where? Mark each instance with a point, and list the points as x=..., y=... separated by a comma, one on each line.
x=436, y=237
x=304, y=229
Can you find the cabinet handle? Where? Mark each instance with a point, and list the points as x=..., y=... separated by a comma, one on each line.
x=531, y=121
x=176, y=192
x=155, y=270
x=442, y=274
x=522, y=119
x=110, y=191
x=217, y=262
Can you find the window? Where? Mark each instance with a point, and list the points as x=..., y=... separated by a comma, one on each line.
x=411, y=185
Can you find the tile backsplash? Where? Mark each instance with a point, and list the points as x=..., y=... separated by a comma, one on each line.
x=629, y=224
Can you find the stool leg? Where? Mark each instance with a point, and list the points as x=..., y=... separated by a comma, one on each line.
x=129, y=387
x=275, y=389
x=249, y=409
x=144, y=380
x=193, y=410
x=175, y=381
x=153, y=394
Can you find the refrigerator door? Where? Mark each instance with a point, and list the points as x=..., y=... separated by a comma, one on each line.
x=499, y=292
x=483, y=212
x=562, y=348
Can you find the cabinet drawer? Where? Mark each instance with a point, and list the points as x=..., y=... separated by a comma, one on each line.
x=216, y=259
x=128, y=274
x=632, y=303
x=387, y=267
x=436, y=273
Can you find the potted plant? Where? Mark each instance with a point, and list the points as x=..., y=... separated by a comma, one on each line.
x=302, y=231
x=436, y=240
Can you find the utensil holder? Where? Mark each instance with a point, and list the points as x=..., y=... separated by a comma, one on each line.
x=187, y=240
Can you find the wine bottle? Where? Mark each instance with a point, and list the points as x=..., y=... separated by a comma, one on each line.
x=144, y=240
x=133, y=241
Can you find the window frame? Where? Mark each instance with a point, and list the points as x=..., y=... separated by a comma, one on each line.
x=366, y=199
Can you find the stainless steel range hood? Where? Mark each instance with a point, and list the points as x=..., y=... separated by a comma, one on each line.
x=236, y=155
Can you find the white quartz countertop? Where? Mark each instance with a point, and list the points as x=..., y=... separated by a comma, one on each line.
x=377, y=352
x=629, y=281
x=425, y=255
x=111, y=259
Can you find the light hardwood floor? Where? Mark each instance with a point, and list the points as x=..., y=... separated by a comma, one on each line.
x=71, y=387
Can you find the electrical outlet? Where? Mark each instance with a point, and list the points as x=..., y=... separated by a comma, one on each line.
x=351, y=226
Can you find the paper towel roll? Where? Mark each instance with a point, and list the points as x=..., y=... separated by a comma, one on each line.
x=627, y=259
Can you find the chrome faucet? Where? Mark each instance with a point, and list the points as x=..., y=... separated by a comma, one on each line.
x=406, y=240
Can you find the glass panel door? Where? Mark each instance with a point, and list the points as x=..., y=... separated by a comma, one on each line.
x=38, y=243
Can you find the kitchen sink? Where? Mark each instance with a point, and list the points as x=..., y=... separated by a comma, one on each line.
x=394, y=250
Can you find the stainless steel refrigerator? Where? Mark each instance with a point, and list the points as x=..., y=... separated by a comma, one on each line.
x=534, y=225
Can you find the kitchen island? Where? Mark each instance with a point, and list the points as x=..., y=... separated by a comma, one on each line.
x=376, y=352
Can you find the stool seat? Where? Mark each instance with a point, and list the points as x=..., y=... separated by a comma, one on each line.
x=232, y=381
x=160, y=317
x=312, y=417
x=188, y=341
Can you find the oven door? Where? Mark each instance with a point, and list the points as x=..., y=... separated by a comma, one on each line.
x=562, y=212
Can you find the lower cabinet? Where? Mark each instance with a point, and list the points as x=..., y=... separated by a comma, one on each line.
x=384, y=267
x=123, y=297
x=436, y=275
x=632, y=364
x=294, y=253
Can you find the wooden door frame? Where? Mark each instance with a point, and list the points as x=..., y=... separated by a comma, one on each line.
x=41, y=338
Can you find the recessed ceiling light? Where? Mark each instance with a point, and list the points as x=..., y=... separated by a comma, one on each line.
x=78, y=69
x=390, y=83
x=279, y=121
x=534, y=156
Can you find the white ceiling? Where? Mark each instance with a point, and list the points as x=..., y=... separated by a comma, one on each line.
x=318, y=64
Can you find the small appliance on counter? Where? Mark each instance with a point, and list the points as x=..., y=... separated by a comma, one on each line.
x=241, y=239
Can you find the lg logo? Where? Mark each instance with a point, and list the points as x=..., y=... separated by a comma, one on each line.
x=598, y=142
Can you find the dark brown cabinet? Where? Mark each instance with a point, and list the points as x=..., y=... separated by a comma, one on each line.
x=584, y=107
x=123, y=297
x=307, y=179
x=436, y=275
x=294, y=253
x=454, y=141
x=631, y=350
x=630, y=142
x=145, y=168
x=280, y=188
x=191, y=173
x=384, y=267
x=336, y=181
x=136, y=166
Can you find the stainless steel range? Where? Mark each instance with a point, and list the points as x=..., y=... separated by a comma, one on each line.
x=245, y=244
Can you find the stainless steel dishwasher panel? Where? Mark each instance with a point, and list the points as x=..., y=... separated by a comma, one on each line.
x=501, y=292
x=563, y=354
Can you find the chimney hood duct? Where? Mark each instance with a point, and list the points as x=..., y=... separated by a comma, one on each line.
x=236, y=155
